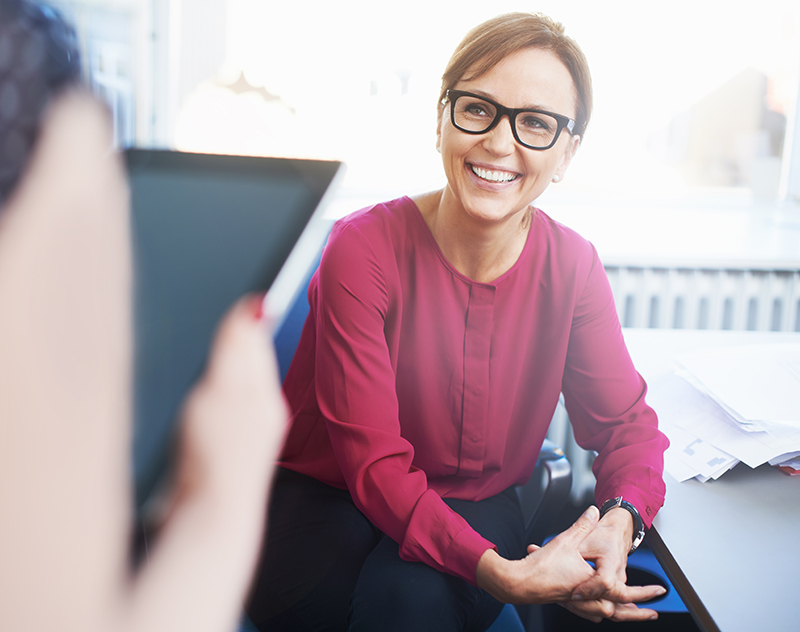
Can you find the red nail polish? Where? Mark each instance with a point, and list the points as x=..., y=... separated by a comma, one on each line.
x=258, y=306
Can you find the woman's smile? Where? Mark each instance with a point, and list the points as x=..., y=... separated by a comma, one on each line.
x=493, y=175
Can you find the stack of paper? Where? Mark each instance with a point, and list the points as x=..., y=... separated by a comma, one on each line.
x=728, y=405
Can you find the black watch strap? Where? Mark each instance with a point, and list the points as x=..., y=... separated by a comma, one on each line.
x=638, y=524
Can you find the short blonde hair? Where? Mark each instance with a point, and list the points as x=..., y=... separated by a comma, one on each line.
x=489, y=43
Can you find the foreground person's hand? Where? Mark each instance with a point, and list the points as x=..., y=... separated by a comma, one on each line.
x=233, y=419
x=232, y=428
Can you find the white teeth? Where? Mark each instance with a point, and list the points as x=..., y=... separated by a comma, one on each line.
x=493, y=176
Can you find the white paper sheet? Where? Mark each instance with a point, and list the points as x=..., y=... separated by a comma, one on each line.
x=758, y=382
x=705, y=442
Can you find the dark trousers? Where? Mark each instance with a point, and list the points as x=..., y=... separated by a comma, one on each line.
x=326, y=567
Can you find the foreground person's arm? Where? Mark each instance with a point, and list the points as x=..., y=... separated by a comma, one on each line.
x=65, y=411
x=198, y=572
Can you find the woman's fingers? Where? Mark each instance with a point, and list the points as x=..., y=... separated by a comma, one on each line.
x=579, y=531
x=598, y=609
x=622, y=593
x=550, y=573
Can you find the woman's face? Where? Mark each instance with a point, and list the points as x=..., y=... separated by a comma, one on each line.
x=530, y=78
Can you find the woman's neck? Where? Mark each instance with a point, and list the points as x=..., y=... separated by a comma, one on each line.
x=481, y=251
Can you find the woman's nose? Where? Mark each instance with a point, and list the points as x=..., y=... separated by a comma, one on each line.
x=500, y=139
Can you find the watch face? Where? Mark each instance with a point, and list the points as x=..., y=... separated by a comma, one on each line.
x=610, y=504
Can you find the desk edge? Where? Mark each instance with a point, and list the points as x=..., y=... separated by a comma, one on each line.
x=699, y=613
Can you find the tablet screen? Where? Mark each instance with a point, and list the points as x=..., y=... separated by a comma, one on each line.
x=206, y=230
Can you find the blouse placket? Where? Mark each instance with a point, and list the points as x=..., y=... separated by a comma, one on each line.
x=475, y=411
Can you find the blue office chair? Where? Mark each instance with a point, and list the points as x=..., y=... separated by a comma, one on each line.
x=541, y=498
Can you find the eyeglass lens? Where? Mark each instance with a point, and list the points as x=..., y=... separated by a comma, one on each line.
x=534, y=129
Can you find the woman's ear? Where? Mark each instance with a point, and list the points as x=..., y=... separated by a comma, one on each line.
x=566, y=157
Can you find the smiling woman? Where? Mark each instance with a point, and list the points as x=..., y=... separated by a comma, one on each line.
x=492, y=176
x=442, y=329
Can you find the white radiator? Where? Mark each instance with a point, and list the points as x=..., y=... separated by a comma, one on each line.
x=743, y=298
x=660, y=296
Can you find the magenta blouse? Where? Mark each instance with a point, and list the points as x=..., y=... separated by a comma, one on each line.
x=412, y=382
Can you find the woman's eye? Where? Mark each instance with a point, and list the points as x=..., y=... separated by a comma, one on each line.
x=532, y=122
x=476, y=109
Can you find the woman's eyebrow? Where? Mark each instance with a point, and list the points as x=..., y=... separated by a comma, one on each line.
x=491, y=97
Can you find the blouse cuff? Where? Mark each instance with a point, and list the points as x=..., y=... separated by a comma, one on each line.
x=464, y=554
x=442, y=539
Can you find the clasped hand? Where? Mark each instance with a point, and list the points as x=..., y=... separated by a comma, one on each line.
x=559, y=573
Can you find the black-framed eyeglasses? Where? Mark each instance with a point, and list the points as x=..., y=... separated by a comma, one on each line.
x=534, y=129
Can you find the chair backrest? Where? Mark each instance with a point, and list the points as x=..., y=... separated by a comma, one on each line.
x=544, y=495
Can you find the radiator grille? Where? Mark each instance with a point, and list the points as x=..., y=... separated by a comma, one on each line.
x=705, y=298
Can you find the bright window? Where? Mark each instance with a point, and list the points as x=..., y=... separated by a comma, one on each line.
x=694, y=99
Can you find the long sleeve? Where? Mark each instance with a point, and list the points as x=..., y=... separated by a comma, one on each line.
x=605, y=398
x=357, y=396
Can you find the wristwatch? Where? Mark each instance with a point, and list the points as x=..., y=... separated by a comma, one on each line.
x=638, y=525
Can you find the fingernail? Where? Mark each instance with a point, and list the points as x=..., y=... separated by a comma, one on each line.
x=258, y=306
x=577, y=597
x=653, y=617
x=661, y=591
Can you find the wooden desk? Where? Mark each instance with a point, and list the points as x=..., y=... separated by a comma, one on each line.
x=731, y=547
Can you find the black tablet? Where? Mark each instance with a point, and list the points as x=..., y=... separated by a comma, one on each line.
x=206, y=230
